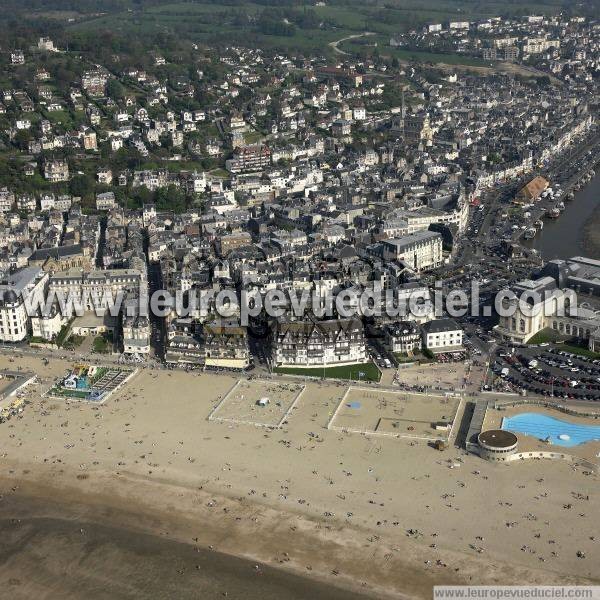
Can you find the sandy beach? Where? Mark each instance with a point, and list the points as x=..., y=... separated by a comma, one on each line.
x=378, y=517
x=75, y=556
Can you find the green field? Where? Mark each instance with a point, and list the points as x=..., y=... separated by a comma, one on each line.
x=213, y=22
x=369, y=371
x=436, y=57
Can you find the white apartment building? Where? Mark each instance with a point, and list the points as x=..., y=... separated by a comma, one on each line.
x=153, y=180
x=15, y=288
x=442, y=335
x=419, y=251
x=538, y=45
x=104, y=176
x=46, y=44
x=47, y=326
x=56, y=171
x=359, y=113
x=7, y=199
x=422, y=218
x=415, y=302
x=63, y=203
x=96, y=290
x=47, y=202
x=26, y=202
x=136, y=335
x=105, y=201
x=17, y=57
x=458, y=25
x=195, y=182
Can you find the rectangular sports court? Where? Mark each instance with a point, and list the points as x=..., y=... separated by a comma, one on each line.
x=395, y=413
x=258, y=402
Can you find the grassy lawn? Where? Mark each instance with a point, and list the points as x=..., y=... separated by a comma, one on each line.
x=73, y=342
x=63, y=333
x=348, y=18
x=550, y=336
x=431, y=57
x=58, y=116
x=545, y=336
x=349, y=372
x=59, y=391
x=352, y=46
x=417, y=357
x=39, y=340
x=581, y=350
x=252, y=137
x=101, y=345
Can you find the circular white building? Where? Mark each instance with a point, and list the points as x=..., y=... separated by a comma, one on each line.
x=497, y=444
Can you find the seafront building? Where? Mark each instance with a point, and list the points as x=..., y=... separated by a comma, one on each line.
x=314, y=343
x=442, y=335
x=15, y=289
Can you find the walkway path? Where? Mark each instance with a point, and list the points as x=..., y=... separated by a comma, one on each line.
x=334, y=45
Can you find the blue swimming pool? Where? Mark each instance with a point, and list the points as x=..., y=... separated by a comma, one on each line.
x=559, y=432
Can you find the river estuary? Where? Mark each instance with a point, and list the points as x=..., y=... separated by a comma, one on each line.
x=567, y=236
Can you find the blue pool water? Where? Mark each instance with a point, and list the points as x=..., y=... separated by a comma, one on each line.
x=82, y=383
x=543, y=427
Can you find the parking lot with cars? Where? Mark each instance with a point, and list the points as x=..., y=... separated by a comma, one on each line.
x=549, y=371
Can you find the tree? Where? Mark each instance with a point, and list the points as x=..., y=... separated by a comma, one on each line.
x=82, y=185
x=543, y=81
x=171, y=198
x=115, y=90
x=270, y=23
x=22, y=139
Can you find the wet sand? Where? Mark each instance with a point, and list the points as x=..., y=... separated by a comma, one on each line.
x=67, y=557
x=591, y=235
